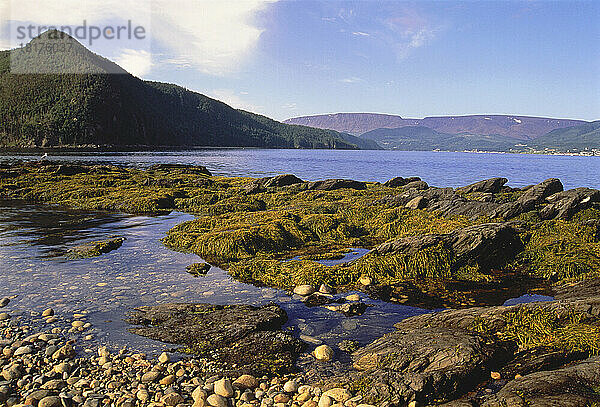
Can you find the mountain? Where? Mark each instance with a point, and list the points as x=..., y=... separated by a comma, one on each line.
x=73, y=97
x=518, y=127
x=583, y=137
x=421, y=138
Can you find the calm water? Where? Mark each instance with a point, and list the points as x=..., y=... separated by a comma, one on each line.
x=437, y=168
x=33, y=239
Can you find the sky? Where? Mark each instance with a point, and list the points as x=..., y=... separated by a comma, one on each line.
x=293, y=58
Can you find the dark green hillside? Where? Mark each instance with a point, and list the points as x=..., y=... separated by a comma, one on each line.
x=420, y=138
x=107, y=106
x=585, y=136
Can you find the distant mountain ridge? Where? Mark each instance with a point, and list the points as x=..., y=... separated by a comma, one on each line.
x=75, y=98
x=513, y=126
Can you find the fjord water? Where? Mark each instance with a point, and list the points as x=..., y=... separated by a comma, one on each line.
x=33, y=238
x=444, y=169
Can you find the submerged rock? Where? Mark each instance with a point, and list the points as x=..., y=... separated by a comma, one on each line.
x=198, y=269
x=95, y=249
x=249, y=338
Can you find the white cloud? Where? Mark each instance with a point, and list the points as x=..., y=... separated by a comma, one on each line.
x=136, y=62
x=214, y=36
x=234, y=99
x=361, y=34
x=352, y=79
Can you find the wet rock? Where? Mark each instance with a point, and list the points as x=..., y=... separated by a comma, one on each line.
x=172, y=399
x=4, y=316
x=48, y=312
x=365, y=280
x=4, y=302
x=198, y=269
x=492, y=185
x=254, y=187
x=357, y=308
x=291, y=386
x=323, y=353
x=334, y=184
x=282, y=181
x=217, y=401
x=243, y=336
x=94, y=249
x=318, y=299
x=150, y=377
x=326, y=289
x=164, y=358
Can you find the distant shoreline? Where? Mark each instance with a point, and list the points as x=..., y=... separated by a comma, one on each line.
x=132, y=149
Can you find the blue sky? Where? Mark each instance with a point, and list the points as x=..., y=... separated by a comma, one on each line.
x=415, y=59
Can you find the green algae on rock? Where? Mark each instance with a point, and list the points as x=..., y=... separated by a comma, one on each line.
x=95, y=248
x=251, y=228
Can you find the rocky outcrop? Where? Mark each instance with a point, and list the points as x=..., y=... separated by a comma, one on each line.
x=488, y=244
x=400, y=182
x=571, y=386
x=243, y=338
x=333, y=184
x=492, y=185
x=563, y=205
x=282, y=181
x=196, y=169
x=437, y=356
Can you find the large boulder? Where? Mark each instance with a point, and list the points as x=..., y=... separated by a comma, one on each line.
x=488, y=244
x=243, y=338
x=427, y=363
x=492, y=185
x=333, y=184
x=538, y=193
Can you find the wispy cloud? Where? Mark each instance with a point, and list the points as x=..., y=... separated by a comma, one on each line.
x=410, y=29
x=352, y=79
x=361, y=34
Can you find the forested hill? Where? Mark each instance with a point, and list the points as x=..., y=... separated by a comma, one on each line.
x=106, y=106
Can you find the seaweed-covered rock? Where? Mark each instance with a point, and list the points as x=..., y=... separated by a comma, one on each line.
x=95, y=249
x=198, y=269
x=282, y=181
x=537, y=193
x=488, y=244
x=492, y=185
x=71, y=169
x=333, y=184
x=196, y=169
x=245, y=339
